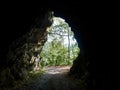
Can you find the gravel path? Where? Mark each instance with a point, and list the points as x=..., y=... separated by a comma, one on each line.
x=55, y=78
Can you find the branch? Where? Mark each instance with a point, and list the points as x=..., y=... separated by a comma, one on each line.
x=58, y=34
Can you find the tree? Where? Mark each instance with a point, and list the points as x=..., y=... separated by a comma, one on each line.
x=61, y=47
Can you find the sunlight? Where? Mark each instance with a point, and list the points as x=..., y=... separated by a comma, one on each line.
x=57, y=69
x=61, y=47
x=56, y=22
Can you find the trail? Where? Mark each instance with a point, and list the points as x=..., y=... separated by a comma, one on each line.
x=55, y=78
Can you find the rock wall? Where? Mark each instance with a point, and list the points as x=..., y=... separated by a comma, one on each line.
x=23, y=54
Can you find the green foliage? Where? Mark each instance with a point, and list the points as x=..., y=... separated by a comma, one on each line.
x=58, y=51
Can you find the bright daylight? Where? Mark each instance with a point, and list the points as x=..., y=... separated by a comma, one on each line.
x=61, y=48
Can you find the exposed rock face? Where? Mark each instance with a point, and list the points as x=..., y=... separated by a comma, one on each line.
x=24, y=53
x=91, y=26
x=80, y=67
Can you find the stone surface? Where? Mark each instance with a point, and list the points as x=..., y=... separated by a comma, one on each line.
x=23, y=54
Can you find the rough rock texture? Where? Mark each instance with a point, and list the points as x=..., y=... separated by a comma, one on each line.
x=93, y=31
x=80, y=67
x=23, y=54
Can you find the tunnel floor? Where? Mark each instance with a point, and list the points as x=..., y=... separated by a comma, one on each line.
x=55, y=78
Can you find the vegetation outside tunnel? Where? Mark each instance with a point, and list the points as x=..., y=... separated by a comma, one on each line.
x=61, y=47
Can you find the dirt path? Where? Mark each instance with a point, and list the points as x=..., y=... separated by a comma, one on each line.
x=55, y=78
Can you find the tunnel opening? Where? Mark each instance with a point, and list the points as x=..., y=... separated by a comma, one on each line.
x=61, y=48
x=90, y=25
x=28, y=53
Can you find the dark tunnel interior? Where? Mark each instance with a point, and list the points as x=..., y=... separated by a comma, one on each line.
x=88, y=27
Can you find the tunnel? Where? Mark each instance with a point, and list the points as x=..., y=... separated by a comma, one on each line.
x=20, y=22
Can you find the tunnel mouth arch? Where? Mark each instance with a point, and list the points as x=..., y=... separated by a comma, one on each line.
x=35, y=39
x=23, y=53
x=79, y=65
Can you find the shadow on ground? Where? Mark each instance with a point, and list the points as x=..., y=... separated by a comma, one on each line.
x=55, y=78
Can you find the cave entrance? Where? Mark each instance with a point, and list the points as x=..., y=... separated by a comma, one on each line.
x=61, y=47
